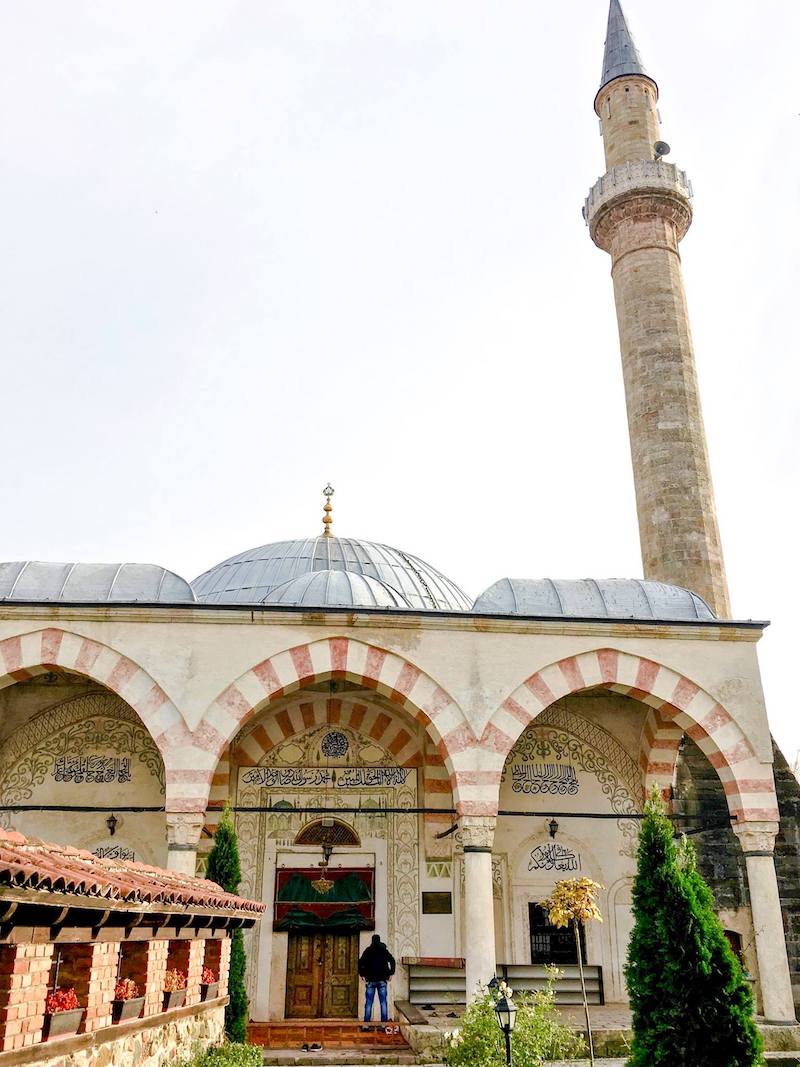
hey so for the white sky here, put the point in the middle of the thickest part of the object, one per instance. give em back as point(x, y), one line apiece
point(250, 247)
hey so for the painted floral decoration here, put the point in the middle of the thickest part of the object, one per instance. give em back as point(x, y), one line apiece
point(126, 989)
point(174, 980)
point(61, 999)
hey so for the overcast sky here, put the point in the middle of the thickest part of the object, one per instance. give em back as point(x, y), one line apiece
point(250, 247)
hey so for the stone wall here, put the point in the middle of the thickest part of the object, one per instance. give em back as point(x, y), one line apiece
point(787, 862)
point(698, 791)
point(144, 1043)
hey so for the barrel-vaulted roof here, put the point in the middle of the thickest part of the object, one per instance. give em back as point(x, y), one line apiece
point(613, 598)
point(92, 583)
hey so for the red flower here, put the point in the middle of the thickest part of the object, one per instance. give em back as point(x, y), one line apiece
point(207, 977)
point(174, 980)
point(61, 999)
point(126, 989)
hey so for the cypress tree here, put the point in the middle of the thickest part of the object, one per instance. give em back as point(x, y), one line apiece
point(225, 869)
point(690, 1001)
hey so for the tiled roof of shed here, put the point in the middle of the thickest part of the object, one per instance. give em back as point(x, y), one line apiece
point(39, 865)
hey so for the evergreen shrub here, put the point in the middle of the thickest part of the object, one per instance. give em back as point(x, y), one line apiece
point(225, 869)
point(690, 1000)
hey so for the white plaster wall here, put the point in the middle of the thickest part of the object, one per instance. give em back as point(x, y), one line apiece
point(195, 654)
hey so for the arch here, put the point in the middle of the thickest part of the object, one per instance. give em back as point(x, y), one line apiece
point(658, 752)
point(339, 834)
point(678, 700)
point(340, 658)
point(187, 770)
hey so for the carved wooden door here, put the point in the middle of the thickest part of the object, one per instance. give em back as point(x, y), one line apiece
point(322, 976)
point(304, 976)
point(340, 989)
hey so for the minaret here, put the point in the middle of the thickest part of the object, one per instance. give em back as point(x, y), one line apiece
point(638, 212)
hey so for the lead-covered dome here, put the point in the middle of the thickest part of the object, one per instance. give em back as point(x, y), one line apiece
point(336, 589)
point(255, 576)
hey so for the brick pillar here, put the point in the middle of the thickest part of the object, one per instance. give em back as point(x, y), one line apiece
point(146, 963)
point(24, 982)
point(224, 965)
point(102, 961)
point(188, 956)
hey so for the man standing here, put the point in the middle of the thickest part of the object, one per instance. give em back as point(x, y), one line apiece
point(376, 967)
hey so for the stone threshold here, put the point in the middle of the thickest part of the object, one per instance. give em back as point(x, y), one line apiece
point(63, 1046)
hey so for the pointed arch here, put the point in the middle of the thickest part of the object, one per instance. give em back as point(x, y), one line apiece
point(400, 681)
point(188, 769)
point(680, 704)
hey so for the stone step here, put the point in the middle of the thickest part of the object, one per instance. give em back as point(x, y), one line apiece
point(337, 1058)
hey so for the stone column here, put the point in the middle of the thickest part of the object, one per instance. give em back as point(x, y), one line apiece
point(183, 835)
point(758, 842)
point(477, 834)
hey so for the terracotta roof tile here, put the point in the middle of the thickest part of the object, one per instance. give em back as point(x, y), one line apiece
point(33, 864)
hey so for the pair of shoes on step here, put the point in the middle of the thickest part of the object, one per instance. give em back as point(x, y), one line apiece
point(313, 1047)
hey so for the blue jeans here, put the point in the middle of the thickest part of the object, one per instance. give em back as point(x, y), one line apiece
point(372, 987)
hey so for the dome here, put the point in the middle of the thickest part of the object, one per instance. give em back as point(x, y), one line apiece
point(251, 577)
point(336, 589)
point(613, 598)
point(92, 583)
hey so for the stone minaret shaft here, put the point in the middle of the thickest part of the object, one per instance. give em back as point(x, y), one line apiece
point(638, 212)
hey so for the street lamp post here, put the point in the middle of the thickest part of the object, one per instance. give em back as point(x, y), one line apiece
point(506, 1011)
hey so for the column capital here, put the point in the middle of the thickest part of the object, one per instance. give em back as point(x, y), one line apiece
point(756, 838)
point(477, 832)
point(183, 829)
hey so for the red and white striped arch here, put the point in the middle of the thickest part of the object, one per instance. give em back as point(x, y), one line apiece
point(394, 733)
point(679, 702)
point(401, 682)
point(187, 770)
point(658, 751)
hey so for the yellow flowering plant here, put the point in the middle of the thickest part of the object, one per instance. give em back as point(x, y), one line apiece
point(574, 902)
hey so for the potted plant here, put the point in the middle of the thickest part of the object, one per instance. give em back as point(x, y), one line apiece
point(127, 1004)
point(174, 989)
point(209, 984)
point(63, 1014)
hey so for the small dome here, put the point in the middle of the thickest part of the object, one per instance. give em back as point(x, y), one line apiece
point(336, 589)
point(613, 598)
point(93, 583)
point(250, 577)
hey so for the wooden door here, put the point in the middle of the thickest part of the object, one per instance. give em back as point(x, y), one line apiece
point(322, 976)
point(304, 974)
point(340, 990)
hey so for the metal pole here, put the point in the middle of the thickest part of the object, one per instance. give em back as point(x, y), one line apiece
point(583, 990)
point(507, 1033)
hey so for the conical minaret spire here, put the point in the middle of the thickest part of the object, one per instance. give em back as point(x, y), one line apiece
point(621, 55)
point(638, 212)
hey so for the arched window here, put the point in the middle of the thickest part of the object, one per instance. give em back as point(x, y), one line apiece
point(327, 832)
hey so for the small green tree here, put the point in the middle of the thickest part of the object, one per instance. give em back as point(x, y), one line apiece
point(225, 869)
point(691, 1003)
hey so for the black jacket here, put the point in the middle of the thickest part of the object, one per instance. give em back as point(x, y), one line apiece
point(376, 963)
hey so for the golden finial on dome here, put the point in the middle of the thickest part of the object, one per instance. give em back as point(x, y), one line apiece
point(327, 518)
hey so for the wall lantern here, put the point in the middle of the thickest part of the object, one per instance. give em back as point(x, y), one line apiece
point(111, 823)
point(553, 827)
point(506, 1012)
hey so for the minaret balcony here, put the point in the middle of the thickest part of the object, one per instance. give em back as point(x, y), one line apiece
point(654, 179)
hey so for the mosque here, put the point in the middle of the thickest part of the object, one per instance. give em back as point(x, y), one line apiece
point(404, 758)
